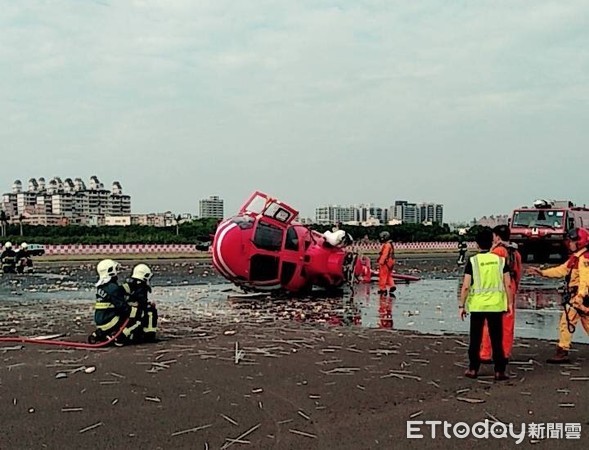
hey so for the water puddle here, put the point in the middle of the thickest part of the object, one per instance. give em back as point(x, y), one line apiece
point(428, 306)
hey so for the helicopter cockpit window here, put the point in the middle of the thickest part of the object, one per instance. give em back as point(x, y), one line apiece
point(276, 212)
point(268, 237)
point(263, 268)
point(292, 240)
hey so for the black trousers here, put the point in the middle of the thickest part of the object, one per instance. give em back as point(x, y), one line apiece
point(495, 324)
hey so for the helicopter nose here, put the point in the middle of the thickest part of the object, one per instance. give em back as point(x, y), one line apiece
point(228, 255)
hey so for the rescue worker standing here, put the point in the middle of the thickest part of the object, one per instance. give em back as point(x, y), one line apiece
point(8, 258)
point(508, 251)
point(486, 293)
point(386, 262)
point(578, 239)
point(137, 288)
point(111, 308)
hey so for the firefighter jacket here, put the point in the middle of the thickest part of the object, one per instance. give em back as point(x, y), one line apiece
point(568, 269)
point(8, 257)
point(581, 300)
point(22, 253)
point(110, 303)
point(137, 292)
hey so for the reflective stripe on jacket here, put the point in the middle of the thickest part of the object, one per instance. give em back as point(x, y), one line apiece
point(487, 293)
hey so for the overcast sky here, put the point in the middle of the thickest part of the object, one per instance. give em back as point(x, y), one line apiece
point(481, 106)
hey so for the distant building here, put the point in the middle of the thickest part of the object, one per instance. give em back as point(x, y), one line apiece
point(327, 215)
point(165, 219)
point(46, 203)
point(406, 212)
point(431, 212)
point(401, 212)
point(493, 221)
point(211, 207)
point(121, 221)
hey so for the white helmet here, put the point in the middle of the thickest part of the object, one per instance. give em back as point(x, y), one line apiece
point(107, 268)
point(142, 272)
point(8, 245)
point(24, 245)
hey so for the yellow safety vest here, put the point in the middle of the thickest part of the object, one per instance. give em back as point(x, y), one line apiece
point(487, 293)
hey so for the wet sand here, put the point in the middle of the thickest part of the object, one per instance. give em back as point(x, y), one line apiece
point(297, 385)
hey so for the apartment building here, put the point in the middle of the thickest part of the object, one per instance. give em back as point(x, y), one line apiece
point(44, 202)
point(211, 207)
point(369, 214)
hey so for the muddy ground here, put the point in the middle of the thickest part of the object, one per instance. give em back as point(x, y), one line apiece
point(257, 380)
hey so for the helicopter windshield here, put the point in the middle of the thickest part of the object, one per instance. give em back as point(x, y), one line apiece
point(268, 237)
point(547, 218)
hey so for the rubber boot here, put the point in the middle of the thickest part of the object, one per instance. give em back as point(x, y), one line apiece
point(561, 357)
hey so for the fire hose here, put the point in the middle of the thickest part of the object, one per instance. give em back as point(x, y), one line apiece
point(72, 344)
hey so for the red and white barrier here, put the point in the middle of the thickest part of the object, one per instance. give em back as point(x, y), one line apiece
point(372, 247)
point(119, 249)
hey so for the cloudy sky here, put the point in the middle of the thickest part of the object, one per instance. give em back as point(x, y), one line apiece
point(481, 106)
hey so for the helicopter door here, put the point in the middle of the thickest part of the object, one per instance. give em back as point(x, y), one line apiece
point(264, 269)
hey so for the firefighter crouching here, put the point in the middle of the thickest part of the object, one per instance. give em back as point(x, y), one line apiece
point(8, 259)
point(137, 288)
point(575, 271)
point(23, 259)
point(111, 308)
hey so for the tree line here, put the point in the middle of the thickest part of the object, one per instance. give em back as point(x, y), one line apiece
point(202, 230)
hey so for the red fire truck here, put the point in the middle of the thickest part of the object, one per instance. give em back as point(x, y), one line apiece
point(540, 230)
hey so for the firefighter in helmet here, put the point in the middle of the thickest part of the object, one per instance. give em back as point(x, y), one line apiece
point(23, 258)
point(386, 262)
point(8, 258)
point(111, 308)
point(574, 296)
point(137, 289)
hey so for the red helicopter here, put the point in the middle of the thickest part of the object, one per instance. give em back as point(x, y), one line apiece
point(262, 248)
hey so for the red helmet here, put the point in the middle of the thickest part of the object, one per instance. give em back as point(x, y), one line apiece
point(580, 236)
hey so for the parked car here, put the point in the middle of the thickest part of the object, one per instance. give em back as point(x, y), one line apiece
point(36, 249)
point(203, 246)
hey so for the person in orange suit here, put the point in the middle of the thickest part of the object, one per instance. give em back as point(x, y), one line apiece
point(386, 262)
point(502, 247)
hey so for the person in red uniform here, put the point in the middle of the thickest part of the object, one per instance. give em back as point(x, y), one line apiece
point(508, 251)
point(386, 262)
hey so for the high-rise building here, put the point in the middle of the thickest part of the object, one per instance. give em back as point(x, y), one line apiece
point(211, 207)
point(327, 215)
point(401, 212)
point(431, 212)
point(44, 203)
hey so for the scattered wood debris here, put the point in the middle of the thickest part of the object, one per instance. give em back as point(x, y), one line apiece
point(91, 427)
